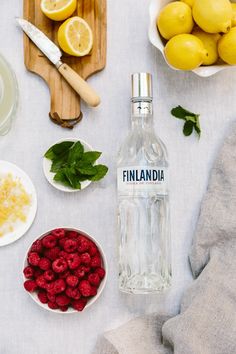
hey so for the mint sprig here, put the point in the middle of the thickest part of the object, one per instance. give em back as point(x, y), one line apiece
point(191, 120)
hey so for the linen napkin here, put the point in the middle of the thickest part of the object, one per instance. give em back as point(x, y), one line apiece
point(207, 320)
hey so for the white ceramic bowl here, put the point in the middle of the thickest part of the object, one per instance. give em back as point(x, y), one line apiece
point(49, 175)
point(102, 284)
point(156, 40)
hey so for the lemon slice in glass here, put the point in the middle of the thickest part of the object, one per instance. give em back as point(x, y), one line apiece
point(58, 10)
point(75, 37)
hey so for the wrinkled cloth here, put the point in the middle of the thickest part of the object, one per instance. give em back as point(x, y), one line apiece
point(207, 320)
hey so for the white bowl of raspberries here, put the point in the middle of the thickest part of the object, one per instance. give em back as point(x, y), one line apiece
point(65, 270)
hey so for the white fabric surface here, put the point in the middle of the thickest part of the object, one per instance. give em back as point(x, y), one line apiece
point(24, 327)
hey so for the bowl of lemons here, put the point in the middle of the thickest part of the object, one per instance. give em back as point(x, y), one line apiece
point(195, 35)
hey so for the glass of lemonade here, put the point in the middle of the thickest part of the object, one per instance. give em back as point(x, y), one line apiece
point(8, 96)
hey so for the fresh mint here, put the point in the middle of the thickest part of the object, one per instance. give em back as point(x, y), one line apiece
point(191, 120)
point(72, 165)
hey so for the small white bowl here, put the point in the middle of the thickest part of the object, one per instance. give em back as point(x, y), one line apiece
point(102, 284)
point(156, 40)
point(50, 175)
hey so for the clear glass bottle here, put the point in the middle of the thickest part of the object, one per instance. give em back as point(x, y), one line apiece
point(143, 205)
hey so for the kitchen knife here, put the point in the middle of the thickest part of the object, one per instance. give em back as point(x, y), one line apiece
point(54, 54)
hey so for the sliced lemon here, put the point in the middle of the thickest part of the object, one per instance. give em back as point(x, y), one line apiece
point(75, 37)
point(58, 10)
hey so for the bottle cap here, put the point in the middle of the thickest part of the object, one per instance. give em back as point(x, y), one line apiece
point(141, 85)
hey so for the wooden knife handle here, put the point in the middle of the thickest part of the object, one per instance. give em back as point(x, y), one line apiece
point(83, 89)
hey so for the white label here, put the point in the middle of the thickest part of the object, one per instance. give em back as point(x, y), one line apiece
point(138, 178)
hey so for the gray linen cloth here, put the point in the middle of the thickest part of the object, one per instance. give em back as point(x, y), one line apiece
point(207, 320)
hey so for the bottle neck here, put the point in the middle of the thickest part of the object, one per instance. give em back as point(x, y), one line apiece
point(141, 114)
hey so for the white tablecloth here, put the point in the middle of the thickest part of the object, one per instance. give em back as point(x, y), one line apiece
point(25, 328)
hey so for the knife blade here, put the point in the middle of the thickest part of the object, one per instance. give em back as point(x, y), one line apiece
point(53, 53)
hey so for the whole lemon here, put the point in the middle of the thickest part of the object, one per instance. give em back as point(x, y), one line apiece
point(188, 2)
point(213, 16)
point(209, 41)
point(227, 47)
point(234, 14)
point(175, 18)
point(185, 52)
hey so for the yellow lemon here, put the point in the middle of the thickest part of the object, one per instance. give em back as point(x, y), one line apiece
point(213, 16)
point(175, 18)
point(185, 52)
point(58, 10)
point(188, 2)
point(209, 41)
point(227, 47)
point(75, 37)
point(234, 14)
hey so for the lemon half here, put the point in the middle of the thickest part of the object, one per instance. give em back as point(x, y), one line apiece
point(75, 37)
point(58, 10)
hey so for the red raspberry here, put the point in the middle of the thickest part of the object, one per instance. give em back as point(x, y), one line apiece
point(51, 297)
point(59, 286)
point(64, 275)
point(70, 245)
point(94, 279)
point(93, 291)
point(37, 246)
point(96, 262)
point(33, 258)
point(30, 285)
point(62, 300)
point(62, 241)
point(93, 250)
point(83, 244)
point(72, 280)
point(59, 265)
point(49, 275)
point(63, 308)
point(85, 288)
point(101, 272)
point(85, 258)
point(49, 241)
point(52, 253)
point(42, 295)
point(80, 272)
point(73, 293)
point(28, 272)
point(52, 305)
point(37, 272)
point(58, 233)
point(73, 260)
point(50, 289)
point(41, 282)
point(44, 264)
point(72, 234)
point(63, 254)
point(79, 305)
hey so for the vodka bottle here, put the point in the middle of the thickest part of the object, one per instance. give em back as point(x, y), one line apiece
point(143, 210)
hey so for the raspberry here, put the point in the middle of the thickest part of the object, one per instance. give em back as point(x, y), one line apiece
point(85, 288)
point(37, 246)
point(50, 289)
point(30, 285)
point(70, 245)
point(58, 233)
point(41, 282)
point(83, 244)
point(62, 241)
point(64, 275)
point(44, 264)
point(80, 272)
point(73, 260)
point(94, 279)
point(79, 305)
point(72, 234)
point(49, 275)
point(33, 258)
point(52, 253)
point(59, 265)
point(63, 254)
point(63, 308)
point(72, 281)
point(37, 272)
point(51, 297)
point(95, 262)
point(93, 291)
point(85, 258)
point(59, 286)
point(42, 295)
point(73, 293)
point(62, 300)
point(52, 305)
point(28, 272)
point(101, 272)
point(93, 250)
point(49, 241)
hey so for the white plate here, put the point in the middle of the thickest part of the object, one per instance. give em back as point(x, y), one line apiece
point(50, 175)
point(100, 289)
point(21, 228)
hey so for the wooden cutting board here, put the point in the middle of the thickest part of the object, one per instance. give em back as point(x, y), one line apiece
point(65, 103)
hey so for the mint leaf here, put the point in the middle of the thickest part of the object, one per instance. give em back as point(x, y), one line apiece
point(191, 120)
point(75, 153)
point(61, 178)
point(59, 162)
point(87, 170)
point(101, 171)
point(188, 128)
point(181, 113)
point(91, 156)
point(58, 149)
point(72, 178)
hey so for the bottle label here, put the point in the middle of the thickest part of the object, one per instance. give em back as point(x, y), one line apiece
point(138, 178)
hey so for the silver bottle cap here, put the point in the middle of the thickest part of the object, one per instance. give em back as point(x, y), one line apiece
point(141, 86)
